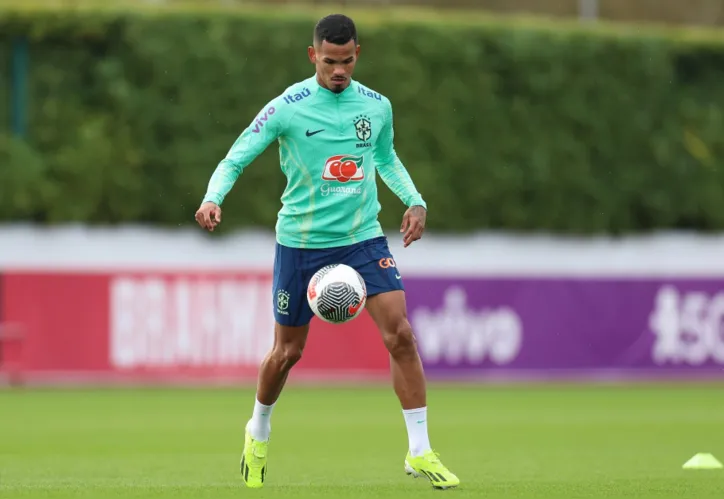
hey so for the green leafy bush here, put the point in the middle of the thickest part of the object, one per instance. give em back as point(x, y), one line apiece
point(548, 127)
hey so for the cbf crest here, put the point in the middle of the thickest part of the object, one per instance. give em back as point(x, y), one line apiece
point(282, 302)
point(363, 128)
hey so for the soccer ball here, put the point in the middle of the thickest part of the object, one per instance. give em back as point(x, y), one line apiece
point(337, 293)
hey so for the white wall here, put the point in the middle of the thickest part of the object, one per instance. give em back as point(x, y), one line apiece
point(83, 248)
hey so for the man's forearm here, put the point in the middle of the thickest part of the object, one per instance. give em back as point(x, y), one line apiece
point(397, 178)
point(221, 182)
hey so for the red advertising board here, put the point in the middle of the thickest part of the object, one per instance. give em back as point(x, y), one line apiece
point(170, 326)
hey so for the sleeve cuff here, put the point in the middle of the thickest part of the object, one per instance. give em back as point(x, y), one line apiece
point(417, 201)
point(213, 198)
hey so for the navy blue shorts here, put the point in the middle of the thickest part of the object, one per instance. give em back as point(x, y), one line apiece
point(294, 268)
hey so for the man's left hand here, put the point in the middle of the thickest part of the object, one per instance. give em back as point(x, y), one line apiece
point(413, 224)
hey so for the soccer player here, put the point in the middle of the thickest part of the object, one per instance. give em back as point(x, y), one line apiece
point(334, 135)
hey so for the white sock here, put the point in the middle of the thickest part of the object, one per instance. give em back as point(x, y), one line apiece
point(416, 421)
point(260, 424)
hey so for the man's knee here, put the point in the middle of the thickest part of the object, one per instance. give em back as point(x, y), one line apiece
point(288, 354)
point(399, 339)
point(289, 345)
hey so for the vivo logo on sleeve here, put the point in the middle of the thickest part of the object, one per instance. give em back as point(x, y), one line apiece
point(262, 119)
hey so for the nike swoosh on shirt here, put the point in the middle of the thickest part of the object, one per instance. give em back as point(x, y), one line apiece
point(309, 134)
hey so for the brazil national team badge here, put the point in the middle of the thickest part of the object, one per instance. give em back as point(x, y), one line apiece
point(363, 127)
point(282, 302)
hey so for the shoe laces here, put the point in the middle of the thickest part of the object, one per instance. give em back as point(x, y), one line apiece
point(433, 457)
point(257, 450)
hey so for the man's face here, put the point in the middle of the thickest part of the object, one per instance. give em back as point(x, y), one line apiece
point(335, 63)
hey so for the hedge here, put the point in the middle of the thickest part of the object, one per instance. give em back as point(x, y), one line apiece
point(551, 127)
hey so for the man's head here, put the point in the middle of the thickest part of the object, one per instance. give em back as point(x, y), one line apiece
point(335, 51)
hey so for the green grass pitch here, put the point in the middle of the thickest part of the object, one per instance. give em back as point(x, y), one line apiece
point(548, 442)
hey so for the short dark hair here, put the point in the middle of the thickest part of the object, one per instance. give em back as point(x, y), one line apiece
point(335, 28)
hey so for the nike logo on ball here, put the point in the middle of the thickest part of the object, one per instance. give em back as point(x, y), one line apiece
point(309, 134)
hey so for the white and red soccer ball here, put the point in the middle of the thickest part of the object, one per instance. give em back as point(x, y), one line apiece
point(337, 293)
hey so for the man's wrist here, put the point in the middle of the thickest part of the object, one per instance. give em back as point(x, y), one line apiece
point(419, 203)
point(211, 198)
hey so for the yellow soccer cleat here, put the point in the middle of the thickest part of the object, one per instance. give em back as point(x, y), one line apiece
point(253, 461)
point(429, 466)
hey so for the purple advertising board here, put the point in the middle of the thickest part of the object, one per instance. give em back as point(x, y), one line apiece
point(568, 326)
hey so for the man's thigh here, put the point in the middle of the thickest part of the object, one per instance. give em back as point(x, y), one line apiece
point(289, 288)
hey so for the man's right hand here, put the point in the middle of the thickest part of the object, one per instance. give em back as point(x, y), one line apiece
point(208, 216)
